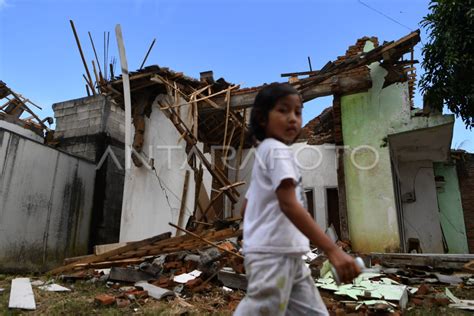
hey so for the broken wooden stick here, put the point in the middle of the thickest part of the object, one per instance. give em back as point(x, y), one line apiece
point(206, 241)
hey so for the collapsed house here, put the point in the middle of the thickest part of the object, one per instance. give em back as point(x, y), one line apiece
point(394, 173)
point(373, 165)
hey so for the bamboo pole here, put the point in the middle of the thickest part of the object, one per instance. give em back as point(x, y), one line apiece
point(82, 56)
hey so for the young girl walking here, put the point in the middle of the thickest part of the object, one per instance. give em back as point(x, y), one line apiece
point(277, 226)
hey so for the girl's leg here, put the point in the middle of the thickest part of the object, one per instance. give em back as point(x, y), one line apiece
point(269, 285)
point(305, 298)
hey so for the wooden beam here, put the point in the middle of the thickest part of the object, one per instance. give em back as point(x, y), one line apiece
point(347, 85)
point(301, 73)
point(183, 202)
point(447, 261)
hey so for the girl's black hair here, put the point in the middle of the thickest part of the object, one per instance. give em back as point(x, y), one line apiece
point(265, 101)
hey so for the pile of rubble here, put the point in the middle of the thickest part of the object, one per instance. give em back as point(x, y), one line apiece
point(179, 269)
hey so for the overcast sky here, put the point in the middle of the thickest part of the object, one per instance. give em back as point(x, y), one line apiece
point(246, 42)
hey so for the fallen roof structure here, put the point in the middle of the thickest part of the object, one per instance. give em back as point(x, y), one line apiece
point(16, 106)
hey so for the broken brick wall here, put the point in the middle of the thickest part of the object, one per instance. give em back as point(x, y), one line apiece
point(94, 127)
point(465, 168)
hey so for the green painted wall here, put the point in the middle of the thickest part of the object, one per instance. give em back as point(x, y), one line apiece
point(367, 120)
point(450, 207)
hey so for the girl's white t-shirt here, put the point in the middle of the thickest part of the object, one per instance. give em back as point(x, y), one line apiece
point(266, 227)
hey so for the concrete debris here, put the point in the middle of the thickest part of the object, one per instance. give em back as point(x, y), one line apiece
point(449, 279)
point(232, 279)
point(54, 288)
point(128, 275)
point(21, 294)
point(154, 291)
point(185, 277)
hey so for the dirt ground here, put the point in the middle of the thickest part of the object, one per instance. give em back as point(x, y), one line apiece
point(215, 301)
point(80, 301)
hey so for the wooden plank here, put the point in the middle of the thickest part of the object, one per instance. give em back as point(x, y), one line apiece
point(100, 249)
point(203, 202)
point(183, 202)
point(226, 148)
point(109, 254)
point(447, 261)
point(74, 259)
point(226, 120)
point(301, 73)
point(197, 188)
point(109, 264)
point(21, 294)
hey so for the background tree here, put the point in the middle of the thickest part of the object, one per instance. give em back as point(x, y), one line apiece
point(448, 57)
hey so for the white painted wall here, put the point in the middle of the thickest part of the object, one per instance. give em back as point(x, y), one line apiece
point(45, 204)
point(421, 218)
point(318, 169)
point(152, 200)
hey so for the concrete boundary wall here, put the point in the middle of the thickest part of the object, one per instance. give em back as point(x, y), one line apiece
point(45, 204)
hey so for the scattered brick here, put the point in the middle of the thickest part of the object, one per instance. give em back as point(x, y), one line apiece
point(194, 283)
point(138, 293)
point(424, 289)
point(104, 299)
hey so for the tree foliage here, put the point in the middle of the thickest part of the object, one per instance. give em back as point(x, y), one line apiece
point(448, 57)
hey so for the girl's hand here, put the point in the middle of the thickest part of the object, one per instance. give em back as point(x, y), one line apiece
point(344, 264)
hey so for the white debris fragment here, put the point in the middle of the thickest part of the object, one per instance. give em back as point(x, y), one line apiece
point(185, 277)
point(21, 294)
point(104, 271)
point(310, 255)
point(54, 288)
point(458, 303)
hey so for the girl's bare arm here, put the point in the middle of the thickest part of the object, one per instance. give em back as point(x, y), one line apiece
point(344, 264)
point(242, 209)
